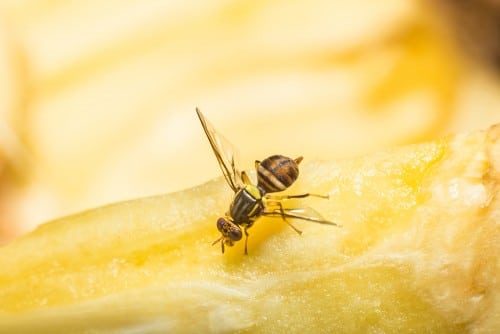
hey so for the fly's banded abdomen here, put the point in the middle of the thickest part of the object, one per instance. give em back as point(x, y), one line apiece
point(246, 205)
point(277, 173)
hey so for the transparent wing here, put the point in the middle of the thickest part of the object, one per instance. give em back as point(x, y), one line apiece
point(307, 213)
point(225, 153)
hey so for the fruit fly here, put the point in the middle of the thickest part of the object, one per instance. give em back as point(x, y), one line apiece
point(250, 202)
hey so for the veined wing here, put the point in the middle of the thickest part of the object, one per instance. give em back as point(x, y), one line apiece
point(225, 153)
point(307, 213)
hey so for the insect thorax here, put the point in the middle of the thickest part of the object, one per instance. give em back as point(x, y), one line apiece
point(246, 205)
point(276, 173)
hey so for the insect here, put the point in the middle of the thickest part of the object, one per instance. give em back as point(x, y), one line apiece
point(250, 202)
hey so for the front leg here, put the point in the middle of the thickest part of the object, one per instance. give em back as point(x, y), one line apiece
point(246, 238)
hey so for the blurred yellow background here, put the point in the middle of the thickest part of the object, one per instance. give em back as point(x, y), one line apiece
point(97, 98)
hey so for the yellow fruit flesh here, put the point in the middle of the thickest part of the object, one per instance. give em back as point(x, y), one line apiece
point(417, 252)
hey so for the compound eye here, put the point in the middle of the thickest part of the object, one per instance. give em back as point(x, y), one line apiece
point(235, 234)
point(222, 224)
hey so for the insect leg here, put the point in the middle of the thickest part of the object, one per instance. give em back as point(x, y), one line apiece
point(221, 242)
point(284, 215)
point(246, 239)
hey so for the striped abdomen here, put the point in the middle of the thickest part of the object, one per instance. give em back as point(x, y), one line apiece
point(277, 173)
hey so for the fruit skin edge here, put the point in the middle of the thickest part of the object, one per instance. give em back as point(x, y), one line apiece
point(124, 265)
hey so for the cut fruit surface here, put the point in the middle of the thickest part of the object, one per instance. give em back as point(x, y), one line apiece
point(417, 251)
